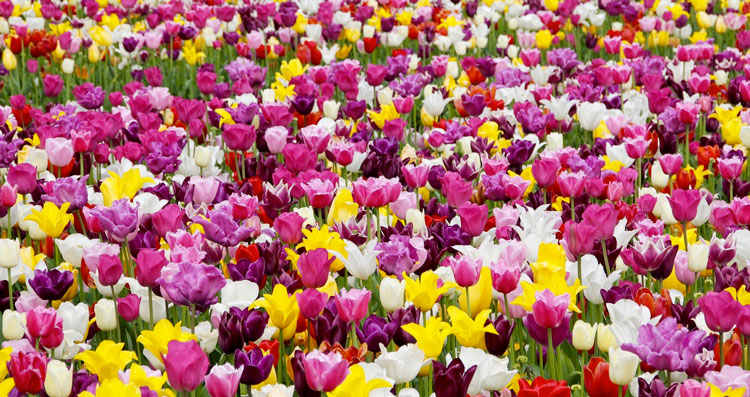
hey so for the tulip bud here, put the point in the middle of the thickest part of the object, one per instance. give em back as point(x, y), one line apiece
point(658, 178)
point(9, 60)
point(67, 66)
point(59, 380)
point(721, 25)
point(452, 69)
point(392, 294)
point(605, 339)
point(14, 324)
point(331, 109)
point(11, 253)
point(554, 141)
point(583, 335)
point(698, 257)
point(106, 316)
point(202, 156)
point(416, 218)
point(4, 26)
point(94, 54)
point(385, 96)
point(622, 366)
point(38, 158)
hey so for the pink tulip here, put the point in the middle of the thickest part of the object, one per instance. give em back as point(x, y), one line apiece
point(466, 270)
point(186, 365)
point(456, 189)
point(314, 267)
point(684, 204)
point(375, 192)
point(549, 310)
point(352, 304)
point(59, 151)
point(223, 380)
point(473, 218)
point(324, 371)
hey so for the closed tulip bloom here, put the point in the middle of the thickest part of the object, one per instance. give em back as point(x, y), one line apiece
point(452, 380)
point(401, 365)
point(571, 183)
point(324, 371)
point(605, 338)
point(149, 263)
point(106, 316)
point(583, 335)
point(239, 137)
point(549, 310)
point(28, 371)
point(684, 204)
point(622, 366)
point(59, 151)
point(698, 257)
point(275, 138)
point(167, 219)
point(473, 218)
point(465, 269)
point(545, 170)
point(11, 256)
point(109, 270)
point(128, 307)
point(597, 382)
point(578, 239)
point(375, 192)
point(721, 310)
point(14, 325)
point(186, 365)
point(352, 304)
point(59, 379)
point(693, 388)
point(288, 225)
point(314, 267)
point(22, 177)
point(311, 302)
point(44, 324)
point(392, 294)
point(256, 366)
point(223, 380)
point(670, 163)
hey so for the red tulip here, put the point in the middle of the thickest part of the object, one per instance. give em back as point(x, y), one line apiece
point(596, 379)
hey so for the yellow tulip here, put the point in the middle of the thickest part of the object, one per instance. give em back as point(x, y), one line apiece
point(387, 113)
point(730, 131)
point(356, 384)
point(479, 293)
point(343, 207)
point(282, 92)
point(543, 39)
point(552, 5)
point(191, 53)
point(9, 59)
point(51, 219)
point(111, 21)
point(156, 341)
point(299, 24)
point(430, 337)
point(424, 292)
point(4, 358)
point(117, 187)
point(470, 332)
point(291, 69)
point(107, 360)
point(729, 392)
point(114, 388)
point(282, 310)
point(140, 378)
point(93, 53)
point(740, 295)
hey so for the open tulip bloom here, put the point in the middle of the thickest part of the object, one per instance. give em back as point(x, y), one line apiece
point(355, 198)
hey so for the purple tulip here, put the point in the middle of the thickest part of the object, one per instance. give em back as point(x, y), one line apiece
point(52, 284)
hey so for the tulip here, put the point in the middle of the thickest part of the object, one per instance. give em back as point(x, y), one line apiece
point(583, 335)
point(549, 310)
point(28, 371)
point(59, 151)
point(311, 302)
point(324, 371)
point(14, 325)
point(223, 380)
point(604, 337)
point(465, 270)
point(401, 365)
point(452, 380)
point(473, 218)
point(149, 263)
point(109, 270)
point(106, 315)
point(51, 285)
point(256, 366)
point(392, 294)
point(288, 225)
point(351, 305)
point(314, 267)
point(128, 307)
point(597, 380)
point(238, 137)
point(59, 379)
point(622, 366)
point(23, 177)
point(186, 365)
point(684, 204)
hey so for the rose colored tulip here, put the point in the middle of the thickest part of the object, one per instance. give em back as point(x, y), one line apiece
point(128, 307)
point(167, 219)
point(275, 138)
point(8, 196)
point(223, 380)
point(238, 137)
point(730, 168)
point(352, 304)
point(314, 267)
point(473, 218)
point(45, 325)
point(52, 85)
point(415, 176)
point(186, 365)
point(549, 310)
point(545, 170)
point(578, 239)
point(684, 204)
point(149, 264)
point(456, 190)
point(466, 270)
point(22, 177)
point(109, 270)
point(505, 276)
point(602, 218)
point(289, 227)
point(319, 192)
point(571, 183)
point(311, 302)
point(375, 192)
point(324, 371)
point(671, 163)
point(720, 310)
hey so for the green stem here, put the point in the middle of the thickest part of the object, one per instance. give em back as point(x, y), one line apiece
point(551, 355)
point(117, 318)
point(468, 303)
point(10, 288)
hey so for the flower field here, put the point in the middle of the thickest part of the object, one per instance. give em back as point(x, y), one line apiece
point(344, 198)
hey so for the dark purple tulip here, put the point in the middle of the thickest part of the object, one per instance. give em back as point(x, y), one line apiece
point(239, 327)
point(52, 284)
point(330, 327)
point(374, 331)
point(300, 380)
point(656, 388)
point(452, 380)
point(498, 344)
point(83, 381)
point(4, 299)
point(246, 269)
point(303, 104)
point(401, 317)
point(685, 315)
point(620, 292)
point(255, 366)
point(473, 104)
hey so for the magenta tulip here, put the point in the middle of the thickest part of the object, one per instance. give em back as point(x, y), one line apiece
point(324, 371)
